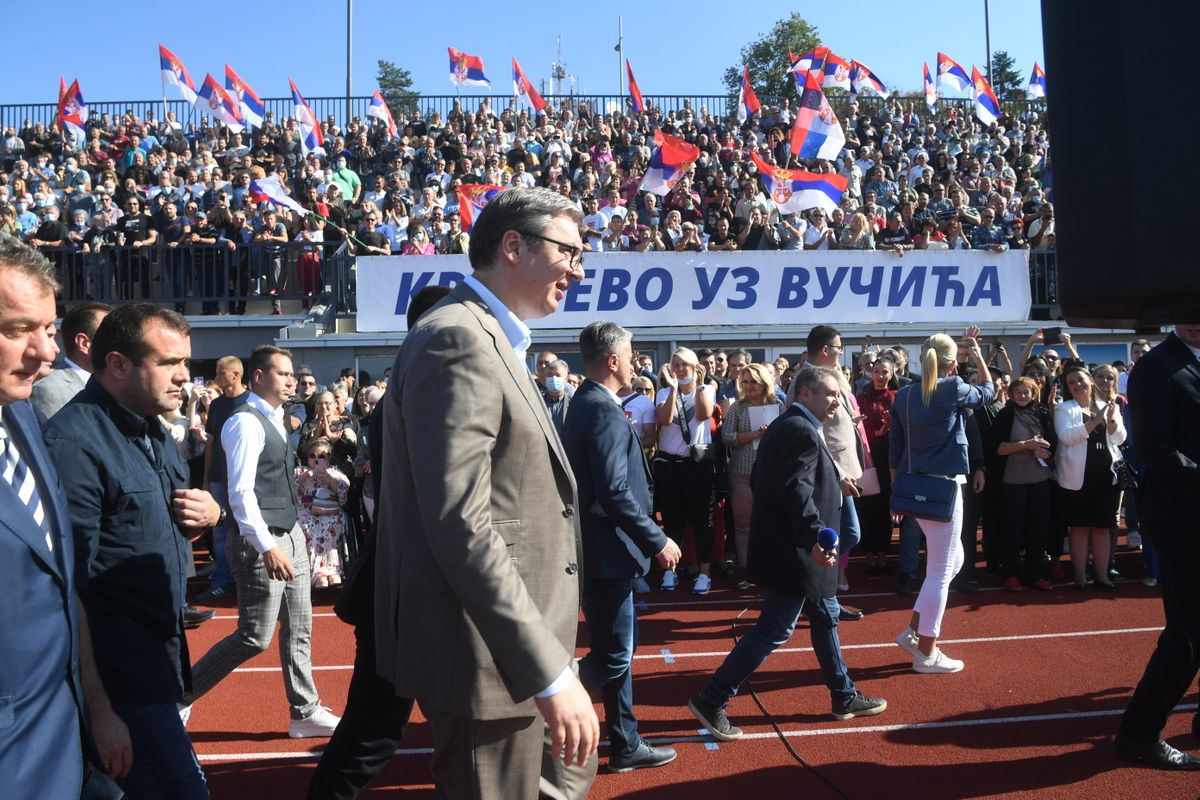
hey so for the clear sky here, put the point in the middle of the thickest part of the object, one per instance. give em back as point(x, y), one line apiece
point(673, 51)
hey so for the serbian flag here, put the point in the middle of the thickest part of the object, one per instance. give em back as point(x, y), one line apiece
point(311, 138)
point(861, 78)
point(635, 94)
point(467, 70)
point(249, 103)
point(796, 190)
point(987, 107)
point(816, 132)
point(523, 88)
point(212, 99)
point(1037, 81)
point(379, 110)
point(269, 190)
point(174, 73)
point(931, 97)
point(472, 197)
point(72, 111)
point(951, 72)
point(747, 99)
point(835, 71)
point(671, 159)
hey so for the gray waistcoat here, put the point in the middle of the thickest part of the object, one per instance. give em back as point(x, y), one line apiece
point(275, 478)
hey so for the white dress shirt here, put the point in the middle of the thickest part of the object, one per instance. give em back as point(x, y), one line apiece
point(243, 439)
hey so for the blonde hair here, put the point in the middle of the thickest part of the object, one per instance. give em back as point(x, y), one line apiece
point(687, 355)
point(231, 363)
point(762, 377)
point(1111, 371)
point(938, 353)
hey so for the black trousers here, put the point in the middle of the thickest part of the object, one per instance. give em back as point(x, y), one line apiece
point(972, 513)
point(1173, 666)
point(371, 729)
point(1028, 506)
point(683, 492)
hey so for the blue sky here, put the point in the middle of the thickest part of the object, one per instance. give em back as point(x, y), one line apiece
point(114, 55)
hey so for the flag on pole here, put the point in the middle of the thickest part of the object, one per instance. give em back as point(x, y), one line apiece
point(816, 133)
point(379, 110)
point(1037, 81)
point(635, 93)
point(212, 99)
point(523, 88)
point(311, 138)
point(796, 190)
point(931, 97)
point(987, 107)
point(861, 78)
point(951, 72)
point(72, 112)
point(747, 99)
point(472, 197)
point(270, 190)
point(835, 71)
point(467, 70)
point(249, 103)
point(174, 73)
point(671, 158)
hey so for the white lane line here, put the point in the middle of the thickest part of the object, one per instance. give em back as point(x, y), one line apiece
point(675, 656)
point(839, 731)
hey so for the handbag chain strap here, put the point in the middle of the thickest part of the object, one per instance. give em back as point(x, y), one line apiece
point(681, 409)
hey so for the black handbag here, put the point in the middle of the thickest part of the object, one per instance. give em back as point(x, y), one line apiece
point(1127, 477)
point(700, 453)
point(929, 497)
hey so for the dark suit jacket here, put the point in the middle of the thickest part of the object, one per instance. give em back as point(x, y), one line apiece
point(41, 701)
point(477, 585)
point(796, 494)
point(1164, 408)
point(615, 493)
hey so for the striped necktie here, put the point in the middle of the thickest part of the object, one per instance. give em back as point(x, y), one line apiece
point(18, 475)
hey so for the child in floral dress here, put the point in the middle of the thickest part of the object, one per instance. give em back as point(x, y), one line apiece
point(322, 491)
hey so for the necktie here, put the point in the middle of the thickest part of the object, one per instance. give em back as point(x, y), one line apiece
point(17, 474)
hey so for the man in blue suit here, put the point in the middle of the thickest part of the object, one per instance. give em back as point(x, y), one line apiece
point(797, 492)
point(41, 698)
point(619, 537)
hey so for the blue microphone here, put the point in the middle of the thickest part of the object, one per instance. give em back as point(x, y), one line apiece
point(828, 539)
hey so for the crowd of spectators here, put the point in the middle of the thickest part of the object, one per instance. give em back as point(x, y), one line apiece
point(916, 180)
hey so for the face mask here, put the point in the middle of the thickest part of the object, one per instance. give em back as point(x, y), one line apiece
point(654, 220)
point(556, 383)
point(686, 380)
point(71, 168)
point(22, 206)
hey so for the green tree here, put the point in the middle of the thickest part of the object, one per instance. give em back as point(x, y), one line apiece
point(1007, 82)
point(395, 86)
point(767, 59)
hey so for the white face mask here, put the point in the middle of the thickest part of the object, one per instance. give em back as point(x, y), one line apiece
point(556, 383)
point(686, 380)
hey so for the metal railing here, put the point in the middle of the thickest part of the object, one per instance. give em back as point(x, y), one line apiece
point(280, 108)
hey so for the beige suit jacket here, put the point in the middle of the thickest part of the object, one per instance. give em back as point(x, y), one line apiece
point(477, 599)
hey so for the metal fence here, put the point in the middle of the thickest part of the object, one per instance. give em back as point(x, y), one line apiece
point(280, 108)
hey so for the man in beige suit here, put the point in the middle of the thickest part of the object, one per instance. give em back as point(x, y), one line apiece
point(477, 598)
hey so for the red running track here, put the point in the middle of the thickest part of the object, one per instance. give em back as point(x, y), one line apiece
point(1032, 715)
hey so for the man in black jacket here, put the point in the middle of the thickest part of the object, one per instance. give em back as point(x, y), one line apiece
point(1164, 406)
point(796, 494)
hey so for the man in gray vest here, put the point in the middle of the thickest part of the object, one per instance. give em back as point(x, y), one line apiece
point(270, 558)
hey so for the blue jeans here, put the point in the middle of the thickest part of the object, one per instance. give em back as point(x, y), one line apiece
point(775, 624)
point(910, 546)
point(164, 763)
point(612, 626)
point(222, 575)
point(850, 533)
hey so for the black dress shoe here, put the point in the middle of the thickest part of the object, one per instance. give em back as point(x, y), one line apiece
point(904, 583)
point(1113, 575)
point(1156, 754)
point(640, 757)
point(193, 617)
point(850, 614)
point(965, 586)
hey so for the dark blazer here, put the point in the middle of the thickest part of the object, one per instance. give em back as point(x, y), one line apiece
point(616, 497)
point(796, 494)
point(1164, 408)
point(41, 701)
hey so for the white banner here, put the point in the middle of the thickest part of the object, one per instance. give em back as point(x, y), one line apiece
point(754, 288)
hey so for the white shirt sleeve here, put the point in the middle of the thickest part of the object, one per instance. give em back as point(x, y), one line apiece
point(560, 683)
point(243, 439)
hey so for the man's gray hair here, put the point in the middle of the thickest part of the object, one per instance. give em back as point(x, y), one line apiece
point(600, 340)
point(374, 395)
point(527, 210)
point(559, 364)
point(20, 257)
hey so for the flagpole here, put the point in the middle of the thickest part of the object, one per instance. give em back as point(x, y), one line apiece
point(620, 58)
point(349, 51)
point(987, 39)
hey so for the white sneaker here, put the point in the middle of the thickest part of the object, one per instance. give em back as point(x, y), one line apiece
point(670, 581)
point(908, 641)
point(1134, 540)
point(935, 664)
point(703, 584)
point(640, 586)
point(185, 713)
point(320, 723)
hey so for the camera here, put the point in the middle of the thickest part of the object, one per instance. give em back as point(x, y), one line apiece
point(338, 424)
point(1052, 336)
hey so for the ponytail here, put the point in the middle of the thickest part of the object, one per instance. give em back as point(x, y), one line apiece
point(929, 374)
point(938, 352)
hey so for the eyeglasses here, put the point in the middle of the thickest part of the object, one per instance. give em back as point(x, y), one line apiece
point(314, 457)
point(1050, 358)
point(569, 250)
